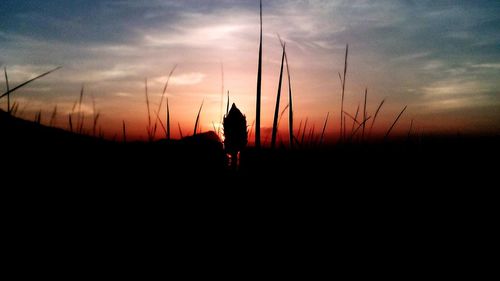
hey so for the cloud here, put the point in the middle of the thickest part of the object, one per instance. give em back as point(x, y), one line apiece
point(84, 108)
point(411, 57)
point(97, 74)
point(487, 65)
point(456, 103)
point(455, 87)
point(199, 36)
point(109, 74)
point(184, 79)
point(20, 73)
point(433, 65)
point(454, 94)
point(462, 35)
point(123, 94)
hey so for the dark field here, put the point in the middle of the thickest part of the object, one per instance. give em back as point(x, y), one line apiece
point(55, 180)
point(54, 154)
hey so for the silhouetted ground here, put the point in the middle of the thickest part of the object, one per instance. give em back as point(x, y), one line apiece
point(58, 186)
point(54, 155)
point(398, 161)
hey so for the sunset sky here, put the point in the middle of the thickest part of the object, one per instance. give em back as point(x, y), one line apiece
point(441, 58)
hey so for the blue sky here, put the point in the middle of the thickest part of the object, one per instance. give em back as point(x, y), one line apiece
point(441, 58)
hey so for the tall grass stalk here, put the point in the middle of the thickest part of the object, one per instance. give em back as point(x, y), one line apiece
point(364, 116)
point(198, 118)
point(376, 114)
point(180, 130)
point(259, 87)
point(7, 85)
point(227, 106)
point(168, 121)
point(53, 116)
point(300, 127)
point(14, 108)
point(344, 127)
point(38, 117)
point(303, 132)
point(278, 97)
point(163, 97)
point(311, 135)
point(80, 106)
point(221, 97)
point(290, 99)
point(80, 128)
point(279, 122)
point(251, 129)
point(342, 124)
point(95, 115)
point(149, 112)
point(359, 126)
point(355, 120)
point(27, 82)
point(410, 129)
point(324, 129)
point(70, 123)
point(124, 132)
point(162, 126)
point(96, 120)
point(281, 116)
point(290, 103)
point(395, 121)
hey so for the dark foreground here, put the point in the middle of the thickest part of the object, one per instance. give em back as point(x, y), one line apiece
point(56, 154)
point(57, 185)
point(59, 157)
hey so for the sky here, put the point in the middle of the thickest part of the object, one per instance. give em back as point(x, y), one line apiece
point(439, 58)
